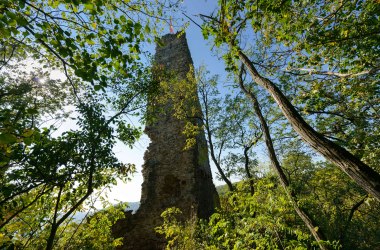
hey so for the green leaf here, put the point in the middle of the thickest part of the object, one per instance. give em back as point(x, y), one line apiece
point(28, 132)
point(7, 139)
point(89, 6)
point(97, 87)
point(22, 21)
point(21, 4)
point(28, 141)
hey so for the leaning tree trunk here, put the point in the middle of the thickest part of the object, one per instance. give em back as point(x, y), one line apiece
point(311, 225)
point(357, 170)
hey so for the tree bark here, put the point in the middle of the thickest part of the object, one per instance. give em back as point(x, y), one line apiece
point(311, 225)
point(362, 174)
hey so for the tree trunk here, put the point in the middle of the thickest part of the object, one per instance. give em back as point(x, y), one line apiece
point(216, 162)
point(210, 143)
point(354, 208)
point(361, 173)
point(248, 173)
point(50, 241)
point(317, 233)
point(54, 225)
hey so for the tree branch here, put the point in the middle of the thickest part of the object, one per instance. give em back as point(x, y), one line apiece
point(336, 74)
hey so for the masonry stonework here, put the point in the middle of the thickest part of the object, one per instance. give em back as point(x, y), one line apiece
point(173, 177)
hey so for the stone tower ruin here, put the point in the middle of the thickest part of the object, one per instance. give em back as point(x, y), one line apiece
point(173, 177)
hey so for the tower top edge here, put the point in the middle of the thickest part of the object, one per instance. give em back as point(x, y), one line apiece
point(168, 38)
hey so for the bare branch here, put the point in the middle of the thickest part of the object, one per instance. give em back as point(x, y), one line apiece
point(331, 73)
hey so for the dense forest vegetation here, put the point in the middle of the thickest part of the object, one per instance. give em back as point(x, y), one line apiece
point(303, 87)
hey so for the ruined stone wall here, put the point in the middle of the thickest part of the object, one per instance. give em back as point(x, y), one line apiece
point(173, 177)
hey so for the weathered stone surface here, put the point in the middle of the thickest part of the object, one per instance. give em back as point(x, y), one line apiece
point(172, 177)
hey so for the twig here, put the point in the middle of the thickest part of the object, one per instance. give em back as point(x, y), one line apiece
point(192, 20)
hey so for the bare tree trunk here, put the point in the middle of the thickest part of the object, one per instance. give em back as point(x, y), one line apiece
point(311, 225)
point(248, 173)
point(357, 170)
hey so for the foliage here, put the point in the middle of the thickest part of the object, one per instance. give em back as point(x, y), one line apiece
point(266, 220)
point(244, 221)
point(94, 231)
point(230, 129)
point(26, 101)
point(339, 206)
point(56, 175)
point(98, 43)
point(324, 56)
point(230, 125)
point(96, 39)
point(177, 96)
point(46, 178)
point(306, 52)
point(177, 235)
